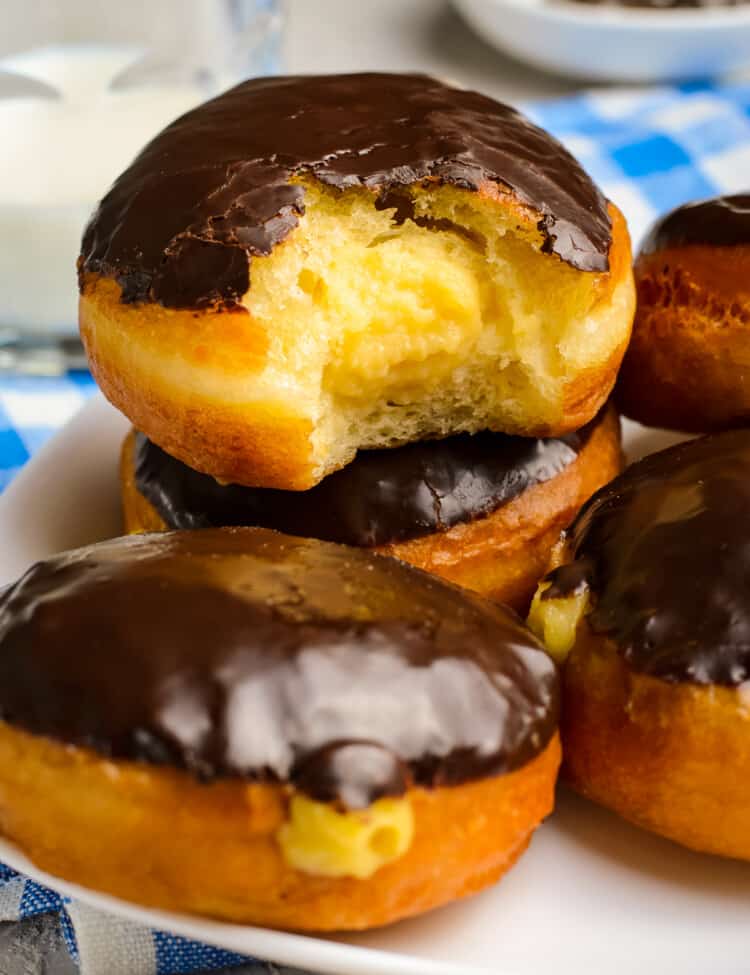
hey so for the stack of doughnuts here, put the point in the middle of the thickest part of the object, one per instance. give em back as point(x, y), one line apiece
point(349, 318)
point(369, 309)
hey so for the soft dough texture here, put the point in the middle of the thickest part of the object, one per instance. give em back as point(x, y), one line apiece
point(400, 305)
point(502, 555)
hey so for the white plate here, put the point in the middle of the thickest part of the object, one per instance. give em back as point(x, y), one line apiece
point(592, 895)
point(615, 43)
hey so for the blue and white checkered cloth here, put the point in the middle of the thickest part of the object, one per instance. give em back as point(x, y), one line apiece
point(100, 942)
point(32, 409)
point(650, 151)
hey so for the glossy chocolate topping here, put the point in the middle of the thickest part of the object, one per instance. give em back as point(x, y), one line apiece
point(381, 496)
point(242, 652)
point(665, 549)
point(215, 187)
point(721, 222)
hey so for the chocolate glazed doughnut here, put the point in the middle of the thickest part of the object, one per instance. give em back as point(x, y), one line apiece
point(481, 511)
point(305, 267)
point(268, 729)
point(687, 365)
point(651, 595)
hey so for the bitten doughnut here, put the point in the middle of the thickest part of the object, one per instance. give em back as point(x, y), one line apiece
point(481, 511)
point(308, 266)
point(688, 364)
point(268, 729)
point(652, 597)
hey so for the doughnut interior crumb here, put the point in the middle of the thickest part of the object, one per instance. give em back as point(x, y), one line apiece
point(386, 332)
point(320, 840)
point(431, 313)
point(555, 621)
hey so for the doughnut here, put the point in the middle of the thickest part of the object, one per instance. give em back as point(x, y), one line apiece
point(648, 608)
point(271, 730)
point(482, 511)
point(687, 365)
point(309, 266)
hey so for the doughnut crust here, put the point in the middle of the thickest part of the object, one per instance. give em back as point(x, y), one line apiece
point(687, 365)
point(671, 758)
point(217, 721)
point(211, 848)
point(502, 555)
point(396, 293)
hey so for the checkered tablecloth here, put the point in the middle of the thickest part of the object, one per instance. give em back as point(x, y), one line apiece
point(649, 151)
point(652, 150)
point(103, 944)
point(32, 409)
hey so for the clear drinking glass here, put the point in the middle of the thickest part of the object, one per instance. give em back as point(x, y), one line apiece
point(83, 85)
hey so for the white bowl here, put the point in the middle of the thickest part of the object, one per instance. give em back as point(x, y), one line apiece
point(615, 43)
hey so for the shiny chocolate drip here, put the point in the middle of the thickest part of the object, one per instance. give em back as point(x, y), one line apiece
point(243, 652)
point(665, 550)
point(381, 496)
point(216, 186)
point(723, 221)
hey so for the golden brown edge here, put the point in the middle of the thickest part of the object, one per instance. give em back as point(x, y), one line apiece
point(687, 364)
point(673, 758)
point(158, 837)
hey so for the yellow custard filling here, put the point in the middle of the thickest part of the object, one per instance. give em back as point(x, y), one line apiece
point(555, 621)
point(318, 839)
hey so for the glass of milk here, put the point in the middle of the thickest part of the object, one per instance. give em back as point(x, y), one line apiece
point(84, 84)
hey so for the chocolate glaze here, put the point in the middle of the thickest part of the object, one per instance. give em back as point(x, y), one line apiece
point(665, 550)
point(214, 187)
point(381, 496)
point(723, 221)
point(243, 652)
